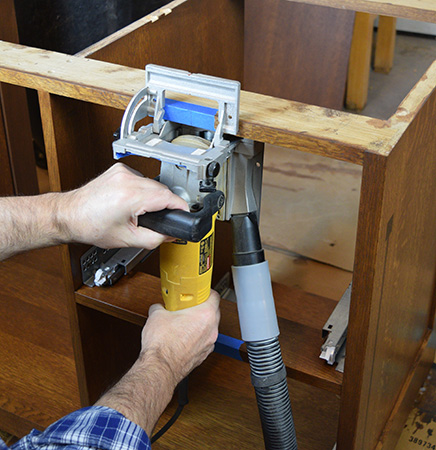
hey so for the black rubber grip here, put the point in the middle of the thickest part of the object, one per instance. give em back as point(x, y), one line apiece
point(189, 226)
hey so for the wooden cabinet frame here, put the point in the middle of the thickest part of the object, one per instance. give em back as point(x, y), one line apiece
point(393, 298)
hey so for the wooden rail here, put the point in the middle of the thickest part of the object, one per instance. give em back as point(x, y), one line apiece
point(275, 121)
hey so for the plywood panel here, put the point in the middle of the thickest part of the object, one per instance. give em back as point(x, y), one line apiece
point(298, 52)
point(195, 35)
point(310, 206)
point(298, 272)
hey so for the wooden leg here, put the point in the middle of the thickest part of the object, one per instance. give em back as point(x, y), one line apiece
point(360, 60)
point(385, 46)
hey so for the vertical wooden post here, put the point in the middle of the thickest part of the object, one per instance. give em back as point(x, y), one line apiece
point(360, 62)
point(16, 121)
point(385, 46)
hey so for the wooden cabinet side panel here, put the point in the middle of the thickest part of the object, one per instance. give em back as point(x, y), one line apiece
point(199, 36)
point(297, 52)
point(394, 280)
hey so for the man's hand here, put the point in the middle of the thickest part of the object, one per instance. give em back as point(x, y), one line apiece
point(182, 339)
point(173, 343)
point(105, 211)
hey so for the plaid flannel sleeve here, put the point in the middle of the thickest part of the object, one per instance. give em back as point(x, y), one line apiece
point(96, 427)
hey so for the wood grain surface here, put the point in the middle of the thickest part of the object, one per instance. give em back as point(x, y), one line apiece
point(421, 10)
point(301, 318)
point(19, 165)
point(394, 279)
point(196, 35)
point(281, 122)
point(308, 275)
point(37, 376)
point(222, 412)
point(310, 206)
point(296, 51)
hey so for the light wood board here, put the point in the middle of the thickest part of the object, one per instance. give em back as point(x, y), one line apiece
point(310, 206)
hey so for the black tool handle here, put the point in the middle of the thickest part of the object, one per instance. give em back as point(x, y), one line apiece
point(189, 226)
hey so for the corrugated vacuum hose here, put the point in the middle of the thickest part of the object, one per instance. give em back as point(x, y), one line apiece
point(259, 329)
point(268, 375)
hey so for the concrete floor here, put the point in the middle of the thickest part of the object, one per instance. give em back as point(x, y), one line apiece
point(413, 55)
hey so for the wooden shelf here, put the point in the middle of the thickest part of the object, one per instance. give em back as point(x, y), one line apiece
point(301, 317)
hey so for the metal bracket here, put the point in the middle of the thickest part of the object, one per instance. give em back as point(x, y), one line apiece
point(335, 329)
point(160, 79)
point(150, 101)
point(154, 140)
point(101, 267)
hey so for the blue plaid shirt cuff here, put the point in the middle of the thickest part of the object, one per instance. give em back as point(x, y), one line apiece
point(93, 427)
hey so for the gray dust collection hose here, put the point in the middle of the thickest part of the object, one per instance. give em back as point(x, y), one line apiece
point(259, 329)
point(268, 375)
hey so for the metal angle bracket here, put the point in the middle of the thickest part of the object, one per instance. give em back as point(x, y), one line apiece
point(335, 332)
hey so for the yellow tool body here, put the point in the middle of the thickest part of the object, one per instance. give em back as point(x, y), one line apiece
point(192, 142)
point(186, 271)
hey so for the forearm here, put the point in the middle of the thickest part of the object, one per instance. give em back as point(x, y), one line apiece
point(31, 222)
point(144, 392)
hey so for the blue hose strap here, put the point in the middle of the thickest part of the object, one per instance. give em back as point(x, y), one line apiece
point(228, 346)
point(190, 114)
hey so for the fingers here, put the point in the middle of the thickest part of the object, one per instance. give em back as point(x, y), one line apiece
point(146, 238)
point(157, 196)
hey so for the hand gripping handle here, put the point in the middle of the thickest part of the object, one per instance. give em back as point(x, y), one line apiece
point(189, 226)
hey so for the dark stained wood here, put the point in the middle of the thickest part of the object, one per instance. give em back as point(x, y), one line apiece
point(17, 426)
point(394, 279)
point(19, 139)
point(6, 184)
point(222, 412)
point(407, 398)
point(110, 348)
point(38, 377)
point(300, 339)
point(16, 122)
point(296, 51)
point(199, 36)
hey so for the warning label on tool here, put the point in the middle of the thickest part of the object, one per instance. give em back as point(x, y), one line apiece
point(206, 254)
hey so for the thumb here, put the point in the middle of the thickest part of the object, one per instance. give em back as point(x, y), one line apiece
point(155, 307)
